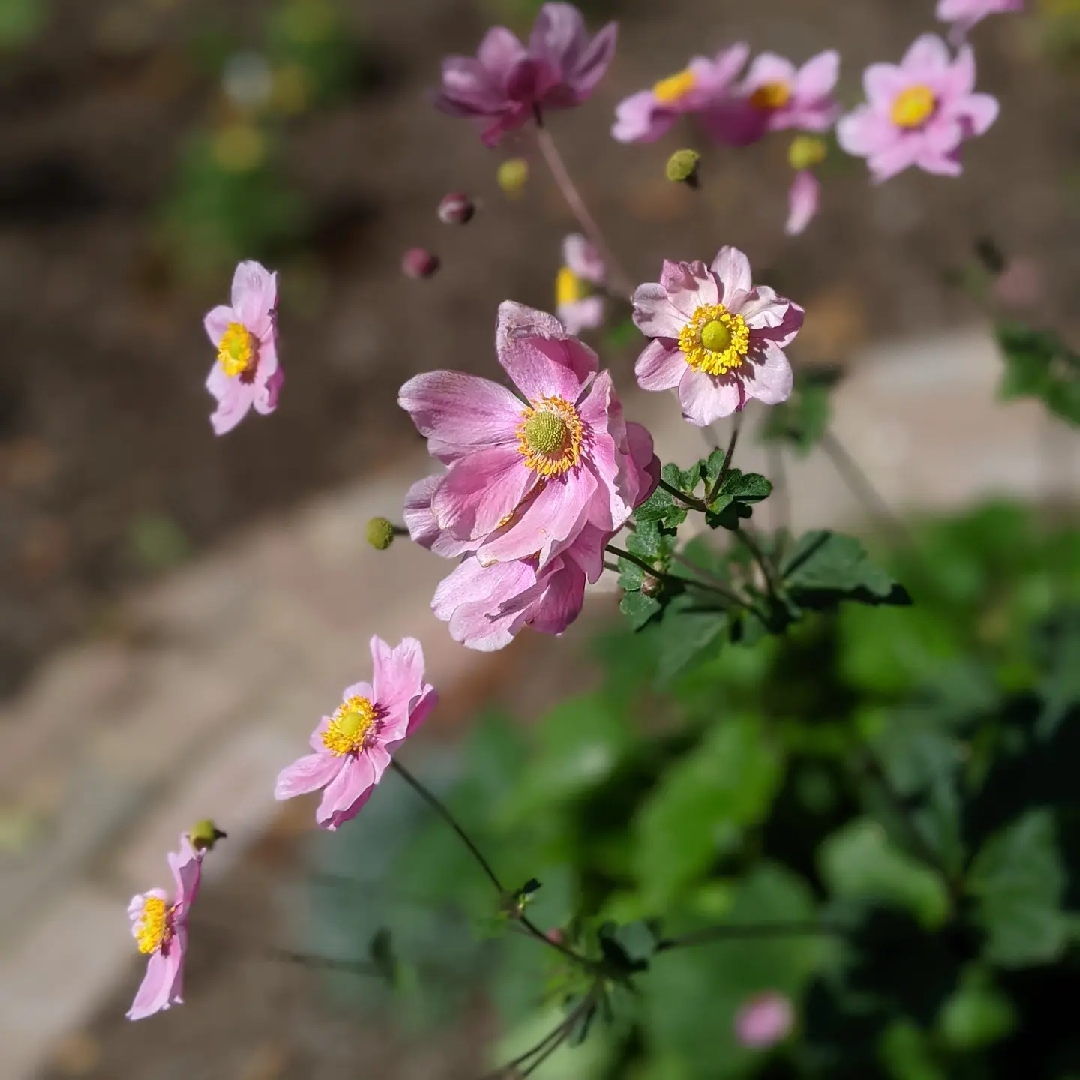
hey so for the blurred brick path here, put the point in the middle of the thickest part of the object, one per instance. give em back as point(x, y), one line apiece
point(215, 676)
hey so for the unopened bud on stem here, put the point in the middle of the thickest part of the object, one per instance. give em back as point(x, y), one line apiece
point(380, 533)
point(205, 834)
point(419, 263)
point(456, 208)
point(805, 152)
point(512, 175)
point(682, 167)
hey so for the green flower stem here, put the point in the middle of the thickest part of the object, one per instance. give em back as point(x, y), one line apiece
point(768, 571)
point(687, 500)
point(721, 590)
point(735, 932)
point(725, 468)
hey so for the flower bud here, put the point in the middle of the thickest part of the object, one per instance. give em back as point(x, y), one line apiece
point(764, 1020)
point(512, 175)
point(419, 263)
point(380, 533)
point(805, 152)
point(456, 208)
point(205, 834)
point(682, 167)
point(650, 586)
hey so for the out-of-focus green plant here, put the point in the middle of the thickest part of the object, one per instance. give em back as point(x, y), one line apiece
point(873, 815)
point(21, 21)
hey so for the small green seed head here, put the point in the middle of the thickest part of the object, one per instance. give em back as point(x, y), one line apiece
point(682, 167)
point(380, 533)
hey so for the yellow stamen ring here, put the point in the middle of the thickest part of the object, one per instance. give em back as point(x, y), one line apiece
point(550, 435)
point(913, 106)
point(714, 340)
point(771, 96)
point(238, 350)
point(153, 925)
point(674, 87)
point(351, 726)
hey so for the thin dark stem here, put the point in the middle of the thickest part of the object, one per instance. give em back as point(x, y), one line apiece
point(688, 500)
point(760, 558)
point(729, 932)
point(399, 530)
point(445, 814)
point(725, 468)
point(621, 283)
point(355, 967)
point(720, 590)
point(860, 485)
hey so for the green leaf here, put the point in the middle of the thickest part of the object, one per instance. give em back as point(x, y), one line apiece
point(690, 632)
point(978, 1014)
point(907, 1053)
point(701, 806)
point(737, 496)
point(826, 567)
point(639, 608)
point(860, 861)
point(627, 948)
point(1018, 883)
point(1039, 364)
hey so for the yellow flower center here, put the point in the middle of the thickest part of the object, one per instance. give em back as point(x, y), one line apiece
point(805, 152)
point(772, 95)
point(668, 91)
point(350, 726)
point(153, 923)
point(714, 340)
point(549, 436)
point(569, 288)
point(913, 106)
point(236, 352)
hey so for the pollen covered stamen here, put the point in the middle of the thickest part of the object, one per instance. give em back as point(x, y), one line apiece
point(549, 436)
point(238, 350)
point(569, 288)
point(350, 727)
point(771, 96)
point(913, 106)
point(153, 924)
point(714, 340)
point(668, 91)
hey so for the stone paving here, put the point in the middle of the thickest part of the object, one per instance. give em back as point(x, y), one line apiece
point(212, 680)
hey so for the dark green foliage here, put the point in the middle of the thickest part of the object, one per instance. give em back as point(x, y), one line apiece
point(1039, 364)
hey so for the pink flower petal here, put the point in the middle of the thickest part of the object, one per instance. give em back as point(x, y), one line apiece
point(817, 78)
point(480, 490)
point(770, 380)
point(254, 296)
point(659, 367)
point(733, 269)
point(159, 989)
point(654, 313)
point(705, 400)
point(420, 521)
point(217, 322)
point(562, 600)
point(803, 200)
point(399, 674)
point(309, 773)
point(347, 792)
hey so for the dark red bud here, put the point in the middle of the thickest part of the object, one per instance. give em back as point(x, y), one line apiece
point(456, 208)
point(419, 263)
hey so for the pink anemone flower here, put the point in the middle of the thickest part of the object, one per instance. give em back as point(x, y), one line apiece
point(764, 1021)
point(487, 605)
point(246, 372)
point(353, 746)
point(777, 96)
point(649, 114)
point(525, 474)
point(509, 83)
point(160, 928)
point(575, 306)
point(918, 113)
point(718, 338)
point(964, 14)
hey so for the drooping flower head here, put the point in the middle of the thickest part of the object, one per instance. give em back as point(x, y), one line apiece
point(964, 14)
point(918, 113)
point(764, 1020)
point(486, 606)
point(525, 473)
point(577, 308)
point(159, 926)
point(648, 114)
point(718, 338)
point(246, 372)
point(508, 82)
point(777, 96)
point(353, 745)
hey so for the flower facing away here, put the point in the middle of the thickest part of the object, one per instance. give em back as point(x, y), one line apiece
point(486, 606)
point(777, 96)
point(717, 337)
point(246, 372)
point(525, 474)
point(918, 113)
point(582, 266)
point(964, 14)
point(764, 1021)
point(507, 83)
point(160, 929)
point(353, 746)
point(648, 114)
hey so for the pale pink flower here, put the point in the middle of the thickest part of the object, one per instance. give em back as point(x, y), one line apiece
point(575, 306)
point(764, 1021)
point(525, 475)
point(777, 96)
point(160, 928)
point(487, 605)
point(648, 114)
point(718, 338)
point(353, 746)
point(246, 372)
point(964, 14)
point(918, 113)
point(803, 198)
point(509, 83)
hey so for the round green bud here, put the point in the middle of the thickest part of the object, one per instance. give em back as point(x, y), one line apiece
point(512, 175)
point(205, 834)
point(682, 167)
point(380, 533)
point(805, 152)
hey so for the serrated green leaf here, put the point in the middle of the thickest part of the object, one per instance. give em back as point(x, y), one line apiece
point(1039, 364)
point(639, 608)
point(690, 632)
point(826, 567)
point(1018, 883)
point(860, 861)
